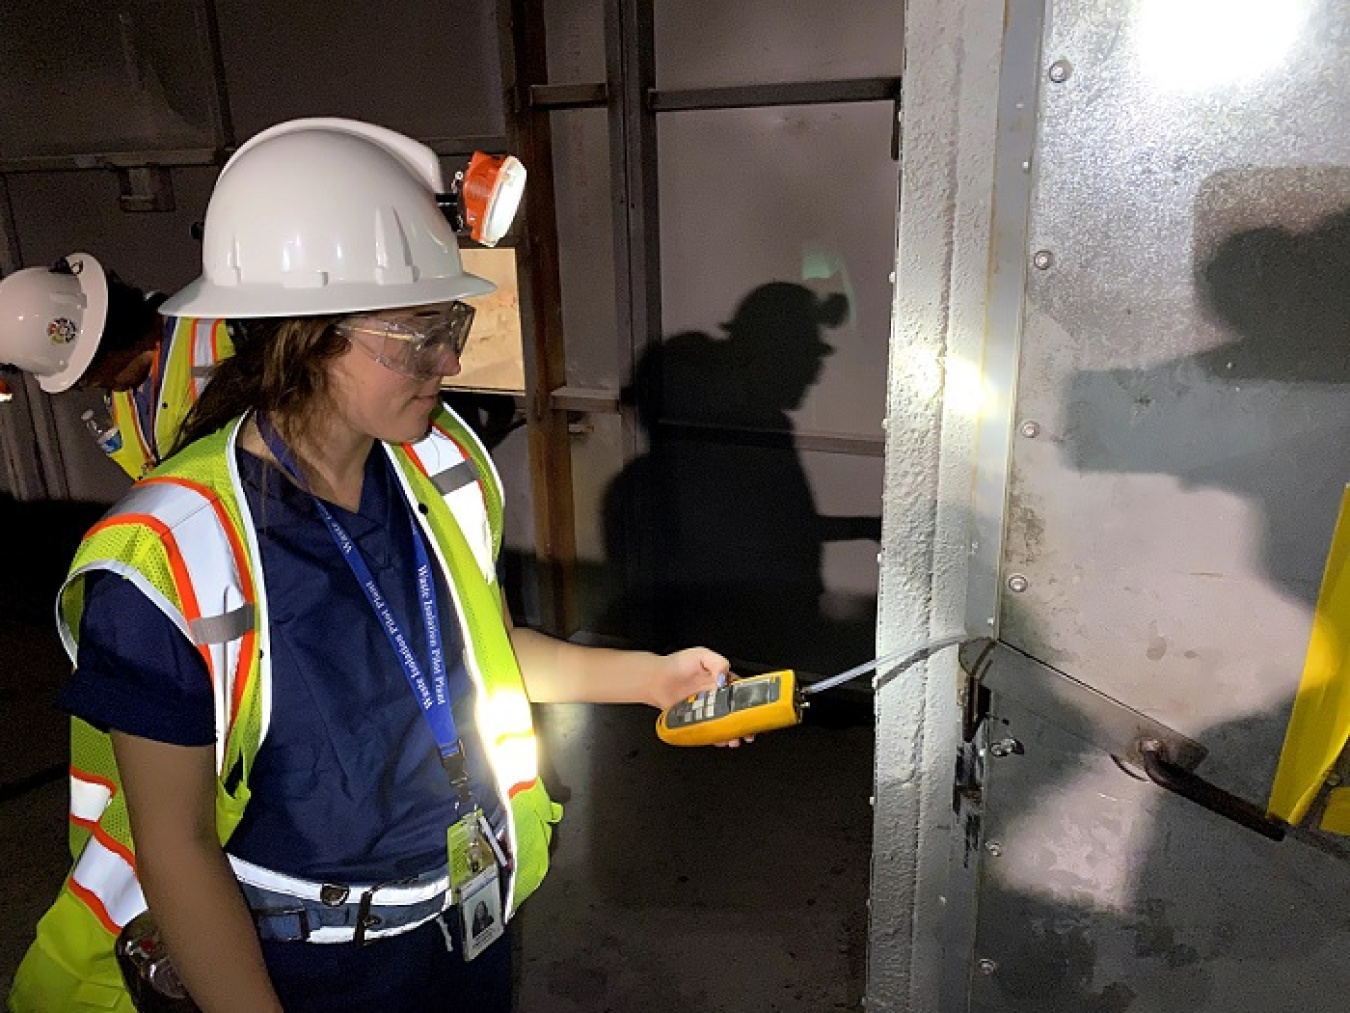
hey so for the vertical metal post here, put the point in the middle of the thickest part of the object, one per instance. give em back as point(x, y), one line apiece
point(224, 125)
point(630, 57)
point(921, 909)
point(524, 59)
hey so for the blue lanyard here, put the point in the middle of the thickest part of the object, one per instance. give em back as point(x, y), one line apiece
point(432, 695)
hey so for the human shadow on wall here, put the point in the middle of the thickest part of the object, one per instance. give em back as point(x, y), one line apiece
point(1262, 413)
point(717, 522)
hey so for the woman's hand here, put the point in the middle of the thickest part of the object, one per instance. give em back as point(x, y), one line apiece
point(686, 673)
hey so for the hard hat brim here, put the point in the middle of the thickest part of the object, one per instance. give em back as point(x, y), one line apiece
point(205, 300)
point(94, 288)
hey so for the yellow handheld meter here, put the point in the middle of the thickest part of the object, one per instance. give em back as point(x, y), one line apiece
point(763, 703)
point(760, 703)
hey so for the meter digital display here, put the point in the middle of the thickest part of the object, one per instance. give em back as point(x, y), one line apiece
point(757, 704)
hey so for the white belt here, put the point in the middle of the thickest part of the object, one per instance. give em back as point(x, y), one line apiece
point(391, 895)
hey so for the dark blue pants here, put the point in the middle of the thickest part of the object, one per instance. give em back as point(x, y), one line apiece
point(411, 973)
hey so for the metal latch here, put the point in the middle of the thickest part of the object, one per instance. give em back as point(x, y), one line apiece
point(1189, 786)
point(1166, 756)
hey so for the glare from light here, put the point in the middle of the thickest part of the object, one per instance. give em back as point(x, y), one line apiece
point(967, 393)
point(1190, 46)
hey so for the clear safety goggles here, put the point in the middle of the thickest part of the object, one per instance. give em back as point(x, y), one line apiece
point(420, 344)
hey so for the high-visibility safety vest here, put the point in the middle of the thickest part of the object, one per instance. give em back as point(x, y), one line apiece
point(185, 538)
point(189, 352)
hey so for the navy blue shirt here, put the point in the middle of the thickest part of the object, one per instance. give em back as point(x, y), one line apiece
point(348, 786)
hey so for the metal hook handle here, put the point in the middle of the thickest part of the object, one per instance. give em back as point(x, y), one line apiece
point(1182, 782)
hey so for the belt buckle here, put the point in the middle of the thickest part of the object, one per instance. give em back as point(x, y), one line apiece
point(364, 919)
point(300, 915)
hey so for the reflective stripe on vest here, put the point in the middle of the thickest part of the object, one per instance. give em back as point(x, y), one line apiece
point(105, 880)
point(454, 473)
point(220, 613)
point(502, 716)
point(89, 796)
point(187, 357)
point(215, 589)
point(205, 352)
point(212, 578)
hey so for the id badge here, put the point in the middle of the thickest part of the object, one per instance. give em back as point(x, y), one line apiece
point(480, 913)
point(474, 880)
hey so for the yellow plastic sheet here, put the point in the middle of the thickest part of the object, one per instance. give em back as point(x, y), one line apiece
point(1336, 819)
point(1320, 723)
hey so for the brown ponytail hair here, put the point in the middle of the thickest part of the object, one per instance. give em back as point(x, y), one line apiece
point(280, 366)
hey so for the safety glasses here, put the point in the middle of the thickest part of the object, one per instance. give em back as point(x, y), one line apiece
point(420, 343)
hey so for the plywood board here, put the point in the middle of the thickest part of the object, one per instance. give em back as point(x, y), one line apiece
point(493, 359)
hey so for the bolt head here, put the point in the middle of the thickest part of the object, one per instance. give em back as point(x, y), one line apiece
point(1043, 260)
point(1334, 779)
point(1060, 71)
point(987, 966)
point(1031, 430)
point(1018, 583)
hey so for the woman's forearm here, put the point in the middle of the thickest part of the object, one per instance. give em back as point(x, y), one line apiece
point(187, 881)
point(556, 671)
point(206, 927)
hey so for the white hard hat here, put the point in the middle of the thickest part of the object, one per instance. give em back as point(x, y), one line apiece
point(319, 216)
point(51, 320)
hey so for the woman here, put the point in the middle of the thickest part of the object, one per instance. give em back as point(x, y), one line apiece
point(320, 736)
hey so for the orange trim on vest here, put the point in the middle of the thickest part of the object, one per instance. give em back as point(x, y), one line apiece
point(82, 775)
point(191, 610)
point(116, 847)
point(517, 788)
point(245, 579)
point(417, 461)
point(102, 782)
point(94, 904)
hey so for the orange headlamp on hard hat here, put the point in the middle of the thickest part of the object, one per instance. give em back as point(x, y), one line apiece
point(483, 199)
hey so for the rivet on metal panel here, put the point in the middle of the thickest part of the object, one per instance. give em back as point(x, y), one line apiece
point(994, 848)
point(1018, 583)
point(987, 966)
point(1060, 71)
point(1044, 260)
point(1031, 430)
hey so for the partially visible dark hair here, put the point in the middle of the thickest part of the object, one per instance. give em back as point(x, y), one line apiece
point(279, 366)
point(132, 318)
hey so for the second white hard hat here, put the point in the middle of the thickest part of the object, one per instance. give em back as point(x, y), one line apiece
point(326, 216)
point(51, 320)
